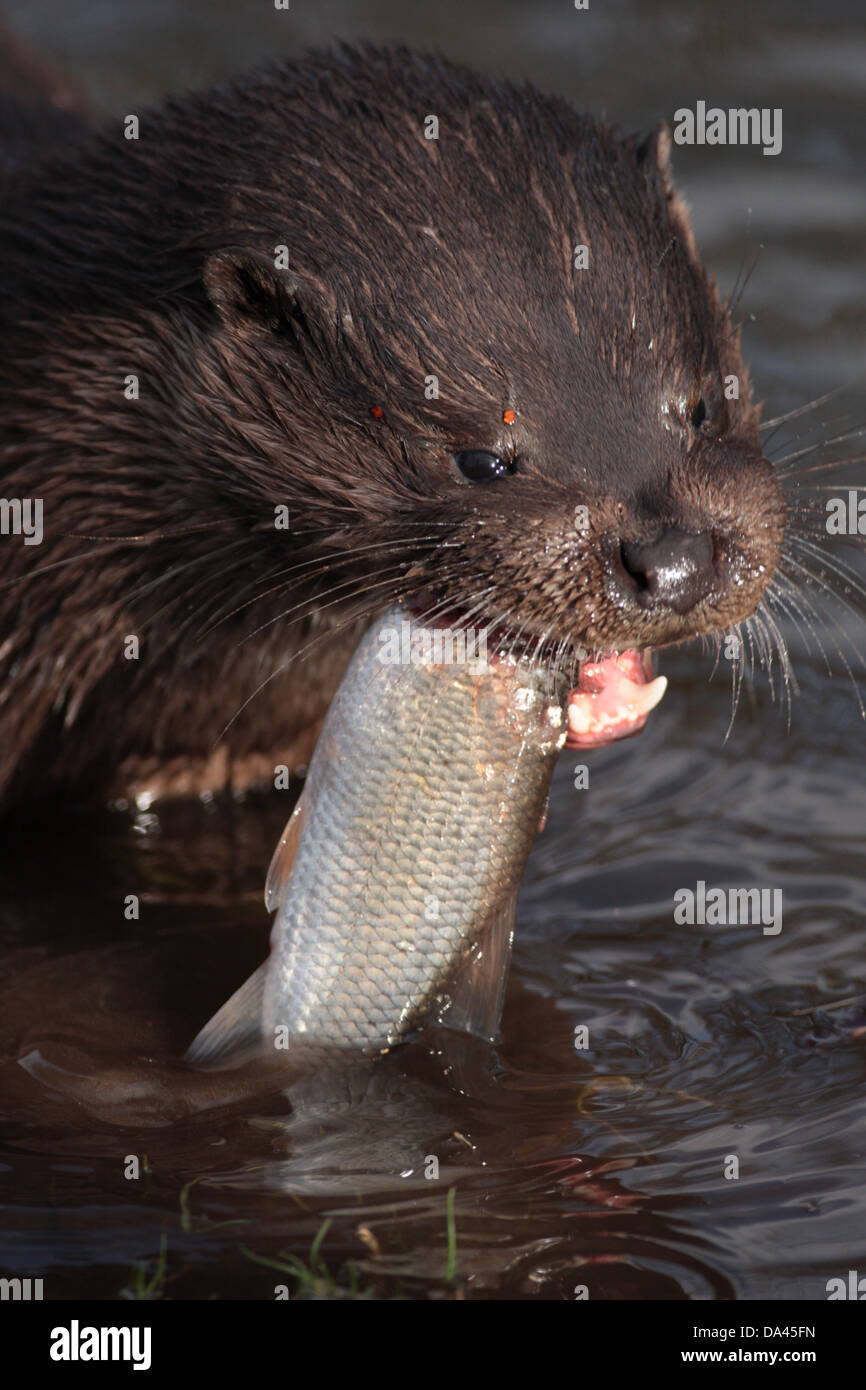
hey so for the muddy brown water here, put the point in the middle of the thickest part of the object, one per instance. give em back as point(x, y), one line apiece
point(603, 1166)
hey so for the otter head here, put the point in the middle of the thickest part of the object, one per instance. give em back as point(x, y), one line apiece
point(498, 376)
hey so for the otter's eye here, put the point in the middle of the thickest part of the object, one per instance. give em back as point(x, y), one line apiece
point(480, 466)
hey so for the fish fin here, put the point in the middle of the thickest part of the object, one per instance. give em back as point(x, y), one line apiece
point(284, 856)
point(477, 989)
point(235, 1031)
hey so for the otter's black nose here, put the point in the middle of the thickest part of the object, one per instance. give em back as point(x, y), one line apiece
point(673, 571)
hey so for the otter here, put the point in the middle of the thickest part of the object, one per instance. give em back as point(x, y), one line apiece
point(297, 350)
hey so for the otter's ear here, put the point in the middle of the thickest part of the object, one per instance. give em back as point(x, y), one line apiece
point(250, 294)
point(653, 153)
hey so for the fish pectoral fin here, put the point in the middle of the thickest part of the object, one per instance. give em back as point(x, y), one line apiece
point(235, 1031)
point(477, 988)
point(284, 855)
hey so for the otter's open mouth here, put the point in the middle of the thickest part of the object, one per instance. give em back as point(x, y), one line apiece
point(613, 698)
point(614, 695)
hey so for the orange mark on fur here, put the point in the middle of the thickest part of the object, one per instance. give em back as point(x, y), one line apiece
point(377, 412)
point(510, 416)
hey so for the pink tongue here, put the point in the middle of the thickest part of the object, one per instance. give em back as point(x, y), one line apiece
point(612, 699)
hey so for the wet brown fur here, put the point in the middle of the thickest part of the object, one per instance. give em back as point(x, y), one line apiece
point(408, 258)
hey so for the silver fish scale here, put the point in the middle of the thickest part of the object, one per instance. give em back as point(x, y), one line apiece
point(422, 800)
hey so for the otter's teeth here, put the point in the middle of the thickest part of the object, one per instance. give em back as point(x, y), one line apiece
point(646, 697)
point(622, 702)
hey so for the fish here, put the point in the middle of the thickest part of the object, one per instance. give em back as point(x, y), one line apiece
point(395, 881)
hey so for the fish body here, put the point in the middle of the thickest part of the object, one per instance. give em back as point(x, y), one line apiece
point(396, 879)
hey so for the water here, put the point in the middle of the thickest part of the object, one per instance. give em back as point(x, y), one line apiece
point(603, 1167)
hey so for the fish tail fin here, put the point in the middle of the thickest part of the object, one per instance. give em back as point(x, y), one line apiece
point(235, 1031)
